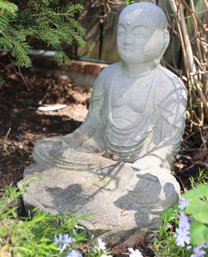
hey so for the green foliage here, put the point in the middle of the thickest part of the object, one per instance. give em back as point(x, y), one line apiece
point(196, 211)
point(201, 178)
point(50, 22)
point(128, 2)
point(165, 244)
point(6, 6)
point(34, 235)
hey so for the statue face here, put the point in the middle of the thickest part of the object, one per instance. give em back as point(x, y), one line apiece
point(139, 40)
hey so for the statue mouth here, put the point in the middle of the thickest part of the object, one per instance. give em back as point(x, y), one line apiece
point(127, 49)
point(130, 49)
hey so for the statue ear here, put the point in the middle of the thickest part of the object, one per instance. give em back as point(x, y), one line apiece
point(166, 43)
point(166, 38)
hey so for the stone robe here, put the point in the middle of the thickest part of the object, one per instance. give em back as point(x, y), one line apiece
point(132, 118)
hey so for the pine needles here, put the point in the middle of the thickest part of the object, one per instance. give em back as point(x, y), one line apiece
point(50, 22)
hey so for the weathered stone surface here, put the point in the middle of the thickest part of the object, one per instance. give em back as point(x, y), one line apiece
point(123, 202)
point(117, 164)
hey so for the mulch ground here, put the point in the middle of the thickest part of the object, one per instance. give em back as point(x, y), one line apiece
point(22, 124)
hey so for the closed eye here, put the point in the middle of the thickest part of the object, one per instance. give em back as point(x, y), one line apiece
point(121, 32)
point(138, 34)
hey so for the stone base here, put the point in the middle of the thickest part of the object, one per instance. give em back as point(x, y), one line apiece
point(123, 203)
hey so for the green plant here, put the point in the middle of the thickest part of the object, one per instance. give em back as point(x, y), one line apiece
point(51, 23)
point(128, 2)
point(200, 179)
point(190, 238)
point(42, 234)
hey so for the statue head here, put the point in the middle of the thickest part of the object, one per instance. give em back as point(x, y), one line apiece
point(142, 34)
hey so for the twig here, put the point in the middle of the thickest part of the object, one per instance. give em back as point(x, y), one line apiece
point(5, 138)
point(20, 73)
point(188, 168)
point(193, 14)
point(186, 157)
point(190, 150)
point(206, 3)
point(13, 65)
point(201, 163)
point(180, 183)
point(203, 139)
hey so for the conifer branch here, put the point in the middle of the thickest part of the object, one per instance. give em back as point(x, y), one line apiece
point(43, 21)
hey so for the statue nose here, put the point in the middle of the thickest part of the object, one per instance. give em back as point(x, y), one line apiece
point(128, 41)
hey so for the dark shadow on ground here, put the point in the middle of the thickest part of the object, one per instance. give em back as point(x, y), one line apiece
point(21, 125)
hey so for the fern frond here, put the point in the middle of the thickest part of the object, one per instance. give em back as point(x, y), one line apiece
point(4, 22)
point(20, 52)
point(77, 26)
point(25, 18)
point(49, 21)
point(74, 9)
point(21, 35)
point(5, 43)
point(78, 39)
point(8, 6)
point(43, 24)
point(63, 33)
point(62, 59)
point(50, 37)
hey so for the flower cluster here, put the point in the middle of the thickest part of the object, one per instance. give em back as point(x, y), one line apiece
point(101, 245)
point(183, 204)
point(64, 245)
point(199, 251)
point(182, 234)
point(134, 253)
point(64, 242)
point(100, 249)
point(183, 231)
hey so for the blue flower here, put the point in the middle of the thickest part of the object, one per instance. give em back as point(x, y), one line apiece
point(63, 241)
point(184, 221)
point(199, 251)
point(182, 237)
point(74, 253)
point(183, 231)
point(134, 253)
point(183, 203)
point(101, 245)
point(67, 239)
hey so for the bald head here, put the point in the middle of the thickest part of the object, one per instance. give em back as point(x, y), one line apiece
point(142, 34)
point(149, 13)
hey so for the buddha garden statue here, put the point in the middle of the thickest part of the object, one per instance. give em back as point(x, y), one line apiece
point(117, 164)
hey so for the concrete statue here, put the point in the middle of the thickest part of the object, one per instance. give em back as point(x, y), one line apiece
point(117, 164)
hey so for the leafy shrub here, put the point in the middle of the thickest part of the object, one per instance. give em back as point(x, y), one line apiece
point(190, 216)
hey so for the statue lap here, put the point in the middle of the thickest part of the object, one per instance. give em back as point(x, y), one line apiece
point(122, 202)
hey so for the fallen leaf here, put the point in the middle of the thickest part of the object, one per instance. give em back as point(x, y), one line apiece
point(124, 212)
